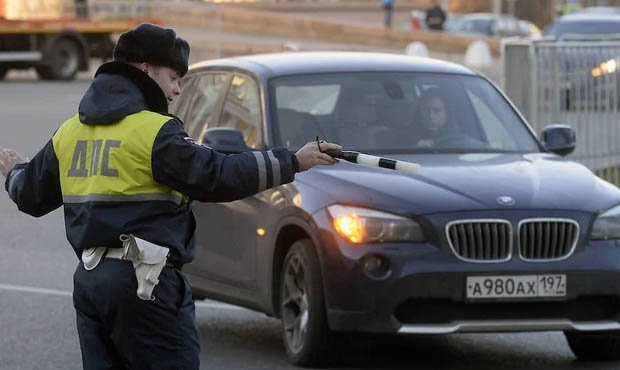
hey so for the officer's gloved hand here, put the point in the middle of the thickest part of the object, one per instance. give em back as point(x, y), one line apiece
point(312, 154)
point(8, 159)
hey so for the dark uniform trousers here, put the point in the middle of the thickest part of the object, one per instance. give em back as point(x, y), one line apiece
point(117, 330)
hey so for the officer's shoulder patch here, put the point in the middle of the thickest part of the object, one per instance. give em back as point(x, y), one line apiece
point(191, 141)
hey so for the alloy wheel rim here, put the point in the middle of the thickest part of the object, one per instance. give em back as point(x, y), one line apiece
point(295, 304)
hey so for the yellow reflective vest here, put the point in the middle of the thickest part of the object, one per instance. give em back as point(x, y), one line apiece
point(110, 162)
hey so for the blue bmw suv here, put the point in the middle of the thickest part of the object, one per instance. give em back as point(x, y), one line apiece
point(497, 231)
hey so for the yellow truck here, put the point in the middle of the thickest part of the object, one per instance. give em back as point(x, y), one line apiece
point(49, 36)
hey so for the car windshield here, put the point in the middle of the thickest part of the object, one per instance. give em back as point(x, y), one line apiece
point(397, 113)
point(585, 27)
point(480, 26)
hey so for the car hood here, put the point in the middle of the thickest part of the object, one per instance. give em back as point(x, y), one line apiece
point(449, 182)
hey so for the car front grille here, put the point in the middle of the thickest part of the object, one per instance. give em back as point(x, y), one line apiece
point(551, 239)
point(481, 240)
point(491, 240)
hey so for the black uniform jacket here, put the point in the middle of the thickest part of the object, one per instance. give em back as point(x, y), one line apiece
point(194, 170)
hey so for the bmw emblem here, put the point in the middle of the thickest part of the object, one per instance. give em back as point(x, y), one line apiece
point(505, 200)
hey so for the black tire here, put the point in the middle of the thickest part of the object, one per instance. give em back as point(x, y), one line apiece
point(306, 336)
point(597, 346)
point(63, 61)
point(3, 72)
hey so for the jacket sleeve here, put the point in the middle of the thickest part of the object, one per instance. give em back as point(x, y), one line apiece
point(35, 186)
point(206, 175)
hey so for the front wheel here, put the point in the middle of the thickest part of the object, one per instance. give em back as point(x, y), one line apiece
point(306, 336)
point(597, 346)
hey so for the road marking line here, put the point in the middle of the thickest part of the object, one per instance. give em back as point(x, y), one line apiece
point(62, 293)
point(27, 289)
point(222, 306)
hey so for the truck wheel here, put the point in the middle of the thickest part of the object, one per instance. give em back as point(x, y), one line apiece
point(597, 346)
point(64, 61)
point(307, 339)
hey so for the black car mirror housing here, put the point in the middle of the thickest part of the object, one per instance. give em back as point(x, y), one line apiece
point(559, 139)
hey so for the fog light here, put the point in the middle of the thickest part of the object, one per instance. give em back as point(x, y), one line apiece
point(376, 266)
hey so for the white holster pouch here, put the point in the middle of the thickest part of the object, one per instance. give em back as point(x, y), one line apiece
point(148, 261)
point(92, 256)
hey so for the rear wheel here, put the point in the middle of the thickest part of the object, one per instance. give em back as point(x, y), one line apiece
point(597, 346)
point(63, 61)
point(306, 336)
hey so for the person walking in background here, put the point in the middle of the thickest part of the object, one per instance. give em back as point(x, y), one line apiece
point(388, 5)
point(435, 16)
point(81, 8)
point(571, 6)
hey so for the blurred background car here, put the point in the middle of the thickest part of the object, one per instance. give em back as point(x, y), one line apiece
point(593, 81)
point(585, 23)
point(490, 25)
point(599, 10)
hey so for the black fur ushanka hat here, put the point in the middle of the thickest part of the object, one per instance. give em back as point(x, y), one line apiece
point(153, 44)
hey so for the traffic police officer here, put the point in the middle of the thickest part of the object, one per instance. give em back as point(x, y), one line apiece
point(124, 166)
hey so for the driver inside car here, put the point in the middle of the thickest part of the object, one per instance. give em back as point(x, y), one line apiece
point(433, 120)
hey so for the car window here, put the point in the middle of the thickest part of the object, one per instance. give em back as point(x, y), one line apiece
point(494, 115)
point(585, 27)
point(319, 99)
point(242, 110)
point(397, 113)
point(496, 134)
point(197, 104)
point(483, 27)
point(477, 26)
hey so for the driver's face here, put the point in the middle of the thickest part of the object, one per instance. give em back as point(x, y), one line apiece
point(435, 114)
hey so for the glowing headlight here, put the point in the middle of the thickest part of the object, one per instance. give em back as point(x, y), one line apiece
point(607, 225)
point(605, 68)
point(362, 225)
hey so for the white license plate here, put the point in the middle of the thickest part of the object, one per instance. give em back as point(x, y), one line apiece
point(516, 286)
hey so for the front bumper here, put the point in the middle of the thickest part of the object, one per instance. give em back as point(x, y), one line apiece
point(425, 290)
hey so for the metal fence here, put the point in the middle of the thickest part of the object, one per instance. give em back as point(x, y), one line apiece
point(574, 82)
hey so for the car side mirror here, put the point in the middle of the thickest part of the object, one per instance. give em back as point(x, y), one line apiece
point(559, 139)
point(225, 140)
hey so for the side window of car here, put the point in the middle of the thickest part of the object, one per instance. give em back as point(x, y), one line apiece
point(242, 110)
point(197, 105)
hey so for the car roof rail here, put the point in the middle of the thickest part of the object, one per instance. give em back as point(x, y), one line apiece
point(590, 37)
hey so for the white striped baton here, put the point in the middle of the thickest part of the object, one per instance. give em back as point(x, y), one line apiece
point(374, 161)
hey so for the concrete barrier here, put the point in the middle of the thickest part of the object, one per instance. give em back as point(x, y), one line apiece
point(322, 6)
point(417, 49)
point(478, 54)
point(235, 19)
point(202, 51)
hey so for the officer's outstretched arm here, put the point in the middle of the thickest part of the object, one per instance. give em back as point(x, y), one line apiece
point(35, 186)
point(207, 175)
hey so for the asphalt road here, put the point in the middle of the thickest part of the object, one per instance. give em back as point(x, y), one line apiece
point(37, 329)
